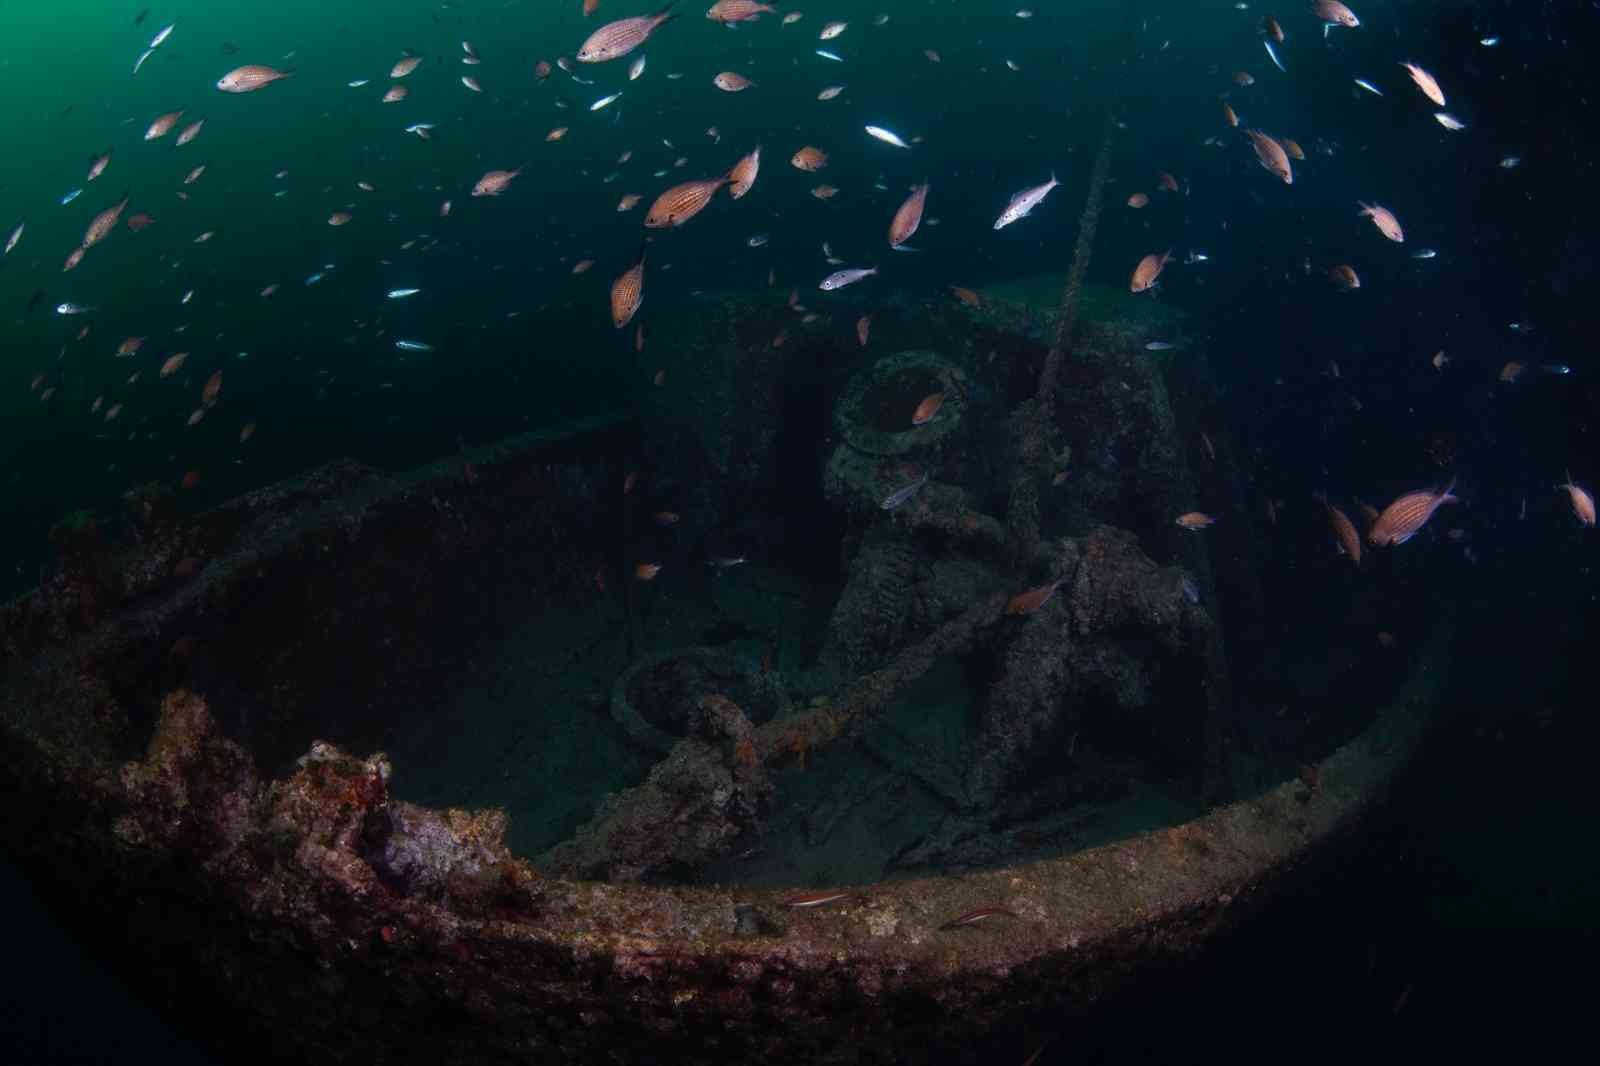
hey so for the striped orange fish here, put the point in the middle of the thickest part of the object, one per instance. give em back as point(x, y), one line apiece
point(1344, 278)
point(809, 158)
point(928, 409)
point(743, 174)
point(1344, 530)
point(908, 217)
point(738, 10)
point(1033, 599)
point(627, 293)
point(1271, 155)
point(249, 78)
point(1148, 270)
point(682, 202)
point(616, 39)
point(1400, 520)
point(1582, 501)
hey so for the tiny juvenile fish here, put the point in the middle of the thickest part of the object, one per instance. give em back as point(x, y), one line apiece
point(901, 495)
point(69, 197)
point(825, 54)
point(401, 294)
point(413, 346)
point(814, 899)
point(1367, 85)
point(72, 309)
point(840, 278)
point(974, 917)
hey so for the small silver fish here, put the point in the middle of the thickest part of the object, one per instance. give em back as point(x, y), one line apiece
point(160, 38)
point(146, 54)
point(312, 279)
point(887, 136)
point(840, 278)
point(1024, 202)
point(1424, 253)
point(1273, 54)
point(401, 294)
point(1510, 162)
point(413, 346)
point(1556, 368)
point(1159, 346)
point(1488, 42)
point(756, 240)
point(16, 235)
point(359, 82)
point(604, 100)
point(71, 196)
point(1196, 257)
point(1371, 88)
point(901, 495)
point(420, 129)
point(825, 54)
point(72, 309)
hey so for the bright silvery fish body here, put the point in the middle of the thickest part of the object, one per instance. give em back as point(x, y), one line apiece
point(1024, 202)
point(840, 278)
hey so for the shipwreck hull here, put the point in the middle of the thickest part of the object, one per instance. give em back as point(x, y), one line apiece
point(193, 771)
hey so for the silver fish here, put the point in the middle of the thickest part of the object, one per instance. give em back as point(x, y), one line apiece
point(160, 38)
point(756, 240)
point(604, 100)
point(825, 54)
point(1159, 346)
point(1273, 54)
point(72, 309)
point(901, 495)
point(401, 294)
point(887, 136)
point(1424, 253)
point(1024, 202)
point(1371, 88)
point(71, 196)
point(413, 346)
point(16, 235)
point(840, 278)
point(146, 54)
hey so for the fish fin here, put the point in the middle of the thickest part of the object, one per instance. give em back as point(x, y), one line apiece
point(666, 14)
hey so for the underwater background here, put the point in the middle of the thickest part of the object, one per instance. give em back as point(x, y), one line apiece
point(1461, 897)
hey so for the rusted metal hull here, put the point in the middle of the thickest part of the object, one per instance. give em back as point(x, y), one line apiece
point(257, 866)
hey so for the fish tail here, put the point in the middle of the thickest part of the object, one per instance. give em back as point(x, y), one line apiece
point(666, 14)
